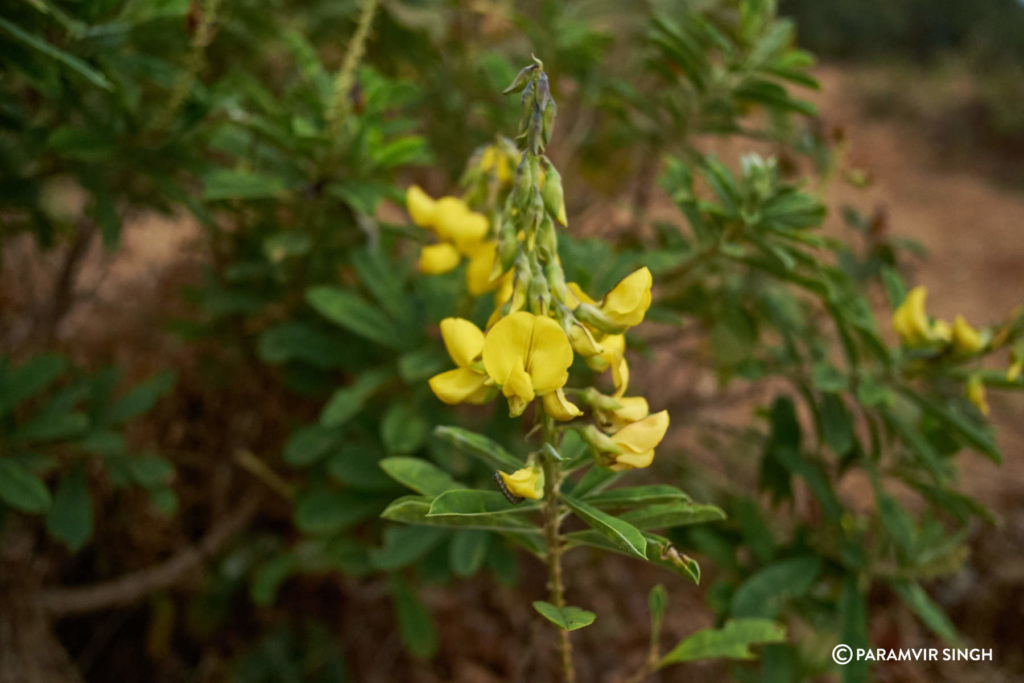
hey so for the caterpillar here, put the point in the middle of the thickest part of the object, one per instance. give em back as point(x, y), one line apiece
point(512, 498)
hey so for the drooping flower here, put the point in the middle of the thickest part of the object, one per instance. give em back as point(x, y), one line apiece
point(966, 339)
point(527, 482)
point(437, 259)
point(612, 355)
point(420, 206)
point(526, 355)
point(637, 441)
point(558, 406)
point(467, 383)
point(621, 411)
point(976, 394)
point(912, 324)
point(627, 302)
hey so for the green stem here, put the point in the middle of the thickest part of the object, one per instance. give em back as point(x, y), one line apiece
point(341, 105)
point(552, 521)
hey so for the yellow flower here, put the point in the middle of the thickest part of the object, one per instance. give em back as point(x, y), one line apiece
point(629, 300)
point(527, 355)
point(1013, 372)
point(559, 407)
point(578, 296)
point(436, 259)
point(976, 394)
point(455, 222)
point(583, 341)
point(912, 324)
point(420, 206)
point(630, 409)
point(966, 339)
point(527, 482)
point(480, 268)
point(638, 440)
point(493, 158)
point(466, 383)
point(613, 355)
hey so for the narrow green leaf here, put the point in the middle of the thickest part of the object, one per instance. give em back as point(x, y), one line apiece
point(403, 545)
point(475, 502)
point(70, 518)
point(415, 625)
point(356, 315)
point(21, 489)
point(676, 513)
point(346, 402)
point(419, 475)
point(764, 593)
point(26, 380)
point(237, 184)
point(566, 618)
point(468, 551)
point(480, 447)
point(69, 60)
point(140, 399)
point(324, 511)
point(617, 530)
point(636, 495)
point(928, 611)
point(732, 641)
point(269, 576)
point(414, 509)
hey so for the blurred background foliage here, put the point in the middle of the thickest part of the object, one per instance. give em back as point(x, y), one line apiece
point(303, 333)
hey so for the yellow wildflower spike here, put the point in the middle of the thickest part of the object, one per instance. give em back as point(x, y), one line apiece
point(437, 259)
point(638, 440)
point(527, 482)
point(420, 206)
point(629, 300)
point(966, 339)
point(559, 407)
point(976, 394)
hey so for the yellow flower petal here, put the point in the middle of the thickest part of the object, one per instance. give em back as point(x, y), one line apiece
point(966, 339)
point(976, 394)
point(645, 435)
point(458, 385)
point(583, 341)
point(629, 300)
point(579, 294)
point(910, 320)
point(436, 259)
point(518, 390)
point(634, 408)
point(550, 355)
point(507, 344)
point(478, 272)
point(463, 339)
point(559, 407)
point(446, 211)
point(629, 461)
point(1013, 372)
point(527, 482)
point(420, 206)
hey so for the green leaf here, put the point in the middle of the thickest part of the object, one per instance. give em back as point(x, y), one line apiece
point(636, 495)
point(468, 551)
point(28, 379)
point(69, 60)
point(325, 511)
point(299, 342)
point(358, 465)
point(415, 625)
point(617, 530)
point(403, 545)
point(660, 551)
point(150, 471)
point(269, 576)
point(763, 594)
point(22, 490)
point(732, 641)
point(677, 513)
point(70, 518)
point(236, 184)
point(836, 424)
point(977, 436)
point(566, 618)
point(346, 402)
point(311, 444)
point(827, 377)
point(419, 475)
point(898, 522)
point(475, 502)
point(52, 427)
point(140, 399)
point(414, 509)
point(403, 429)
point(657, 601)
point(925, 608)
point(480, 447)
point(356, 315)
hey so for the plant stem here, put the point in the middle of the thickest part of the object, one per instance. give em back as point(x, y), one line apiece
point(552, 520)
point(341, 105)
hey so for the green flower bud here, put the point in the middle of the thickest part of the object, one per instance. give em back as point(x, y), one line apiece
point(522, 79)
point(553, 195)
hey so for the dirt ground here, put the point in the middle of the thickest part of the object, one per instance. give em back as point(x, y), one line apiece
point(974, 230)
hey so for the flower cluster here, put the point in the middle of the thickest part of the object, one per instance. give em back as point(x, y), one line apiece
point(540, 321)
point(917, 330)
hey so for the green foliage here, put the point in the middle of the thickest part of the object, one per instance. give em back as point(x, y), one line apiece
point(565, 618)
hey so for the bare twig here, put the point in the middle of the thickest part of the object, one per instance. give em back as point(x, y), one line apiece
point(62, 602)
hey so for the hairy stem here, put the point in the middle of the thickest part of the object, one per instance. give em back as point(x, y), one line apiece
point(552, 521)
point(341, 104)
